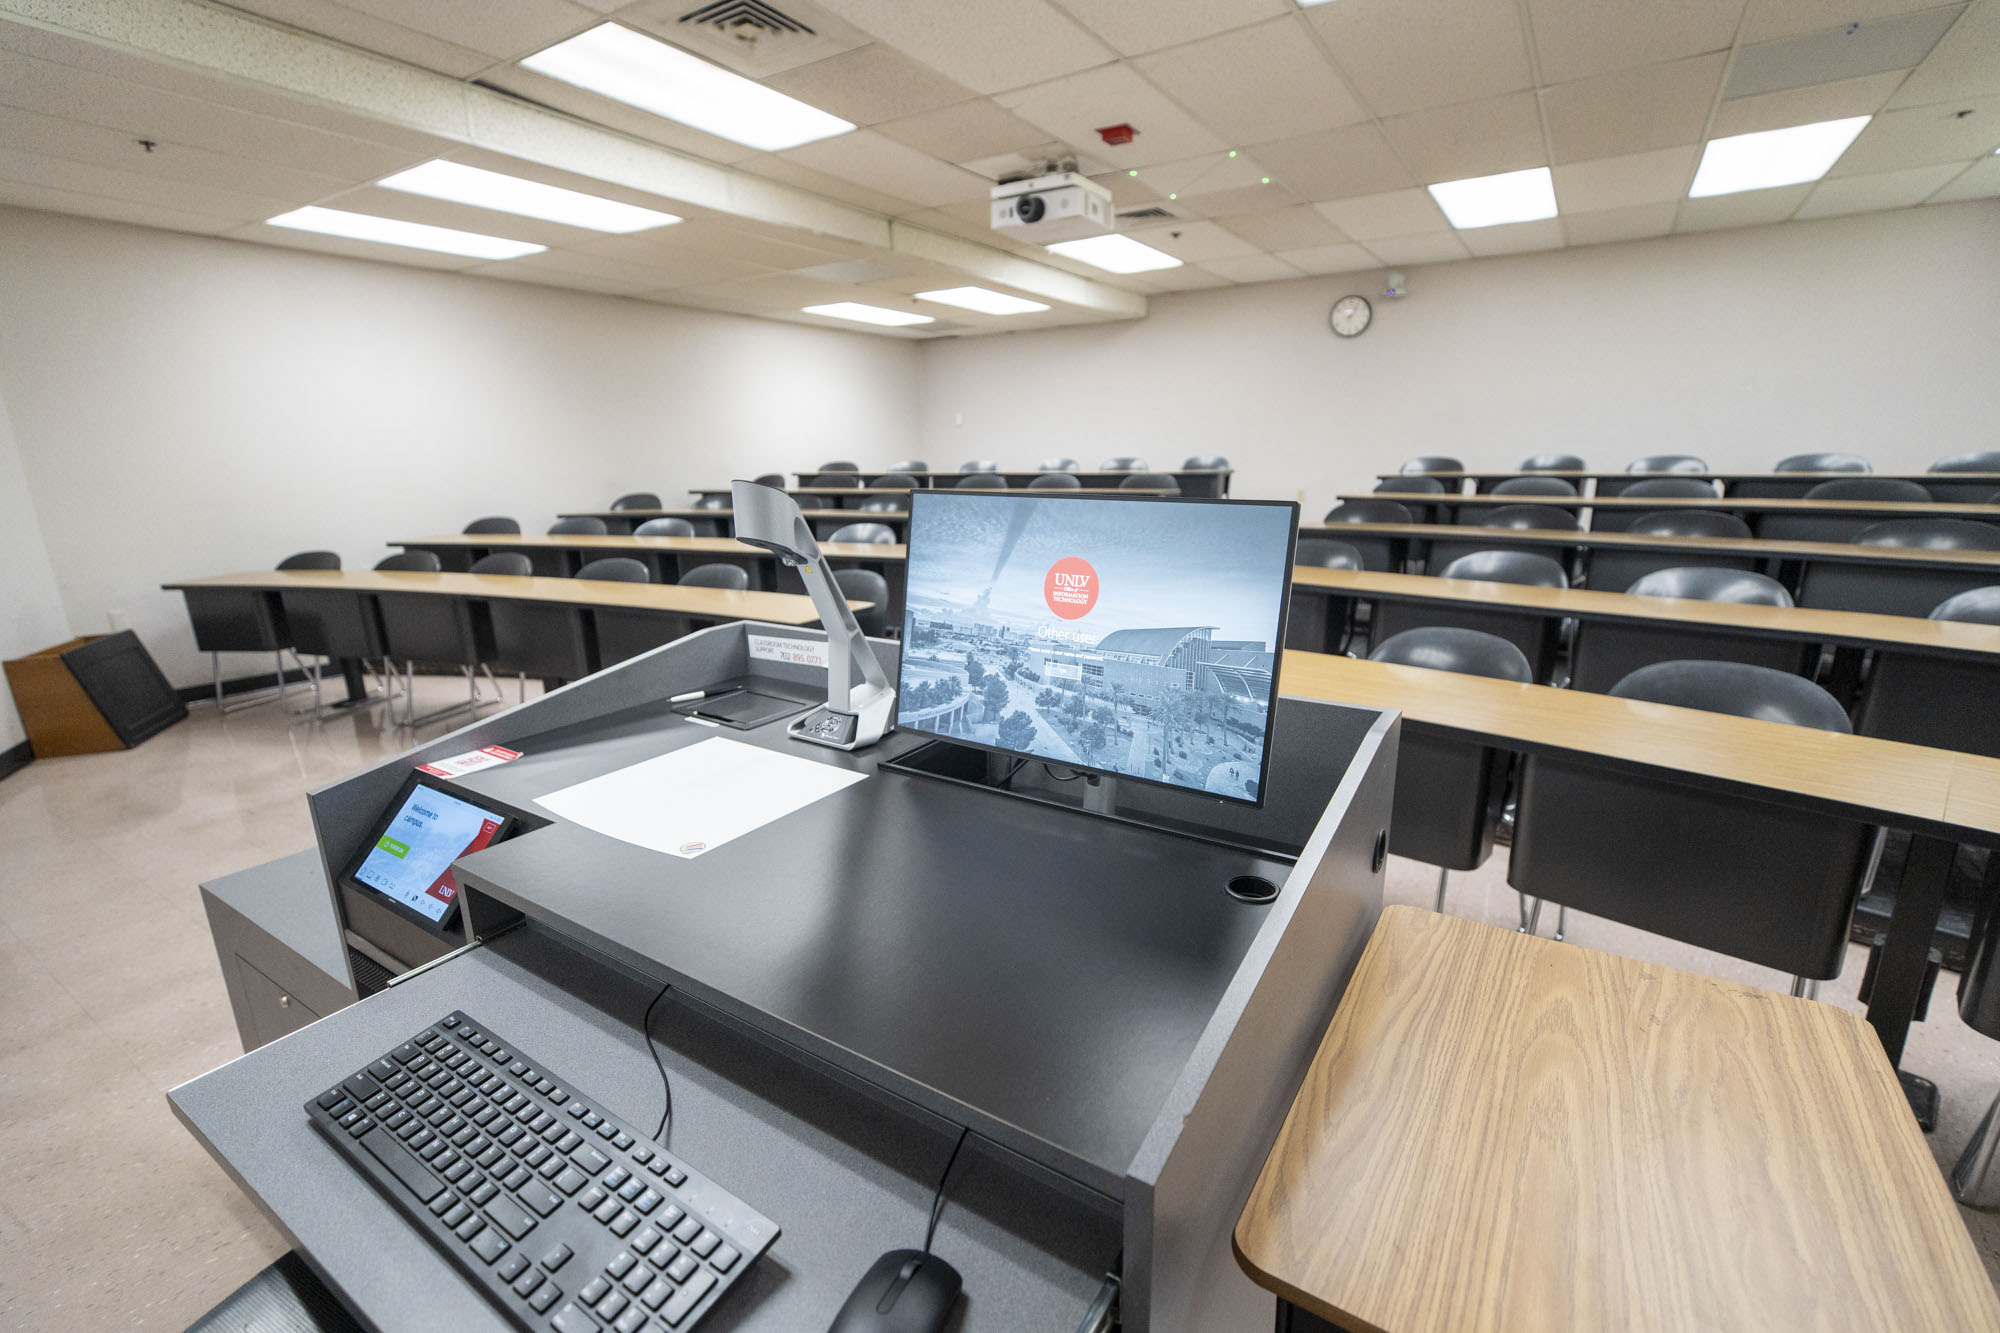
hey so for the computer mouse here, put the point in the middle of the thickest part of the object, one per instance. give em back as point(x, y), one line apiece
point(905, 1291)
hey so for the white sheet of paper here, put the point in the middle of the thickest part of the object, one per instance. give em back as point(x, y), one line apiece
point(697, 798)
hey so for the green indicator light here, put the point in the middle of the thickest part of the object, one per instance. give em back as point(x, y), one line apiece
point(1232, 152)
point(1173, 196)
point(1265, 181)
point(1133, 172)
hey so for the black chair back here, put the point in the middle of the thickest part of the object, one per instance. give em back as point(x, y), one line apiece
point(1055, 481)
point(1523, 517)
point(981, 481)
point(1670, 488)
point(1974, 606)
point(1205, 463)
point(1150, 481)
point(873, 534)
point(1709, 584)
point(1058, 465)
point(912, 465)
point(1823, 463)
point(1737, 689)
point(712, 502)
point(1465, 651)
point(1522, 567)
point(311, 560)
point(511, 563)
point(495, 524)
point(1124, 465)
point(1411, 485)
point(717, 575)
point(1368, 511)
point(979, 465)
point(839, 479)
point(1933, 534)
point(1667, 463)
point(1554, 463)
point(1690, 523)
point(1431, 463)
point(1985, 460)
point(664, 527)
point(637, 500)
point(616, 569)
point(581, 526)
point(838, 465)
point(883, 504)
point(419, 562)
point(1870, 488)
point(901, 481)
point(1324, 553)
point(1535, 486)
point(865, 585)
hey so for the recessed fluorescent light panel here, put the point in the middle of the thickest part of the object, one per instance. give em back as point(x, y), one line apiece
point(867, 314)
point(985, 302)
point(1491, 201)
point(414, 235)
point(461, 184)
point(632, 68)
point(1771, 158)
point(1115, 254)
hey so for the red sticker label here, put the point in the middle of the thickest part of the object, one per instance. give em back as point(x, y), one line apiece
point(1070, 588)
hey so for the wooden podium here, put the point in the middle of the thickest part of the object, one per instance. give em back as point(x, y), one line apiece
point(100, 692)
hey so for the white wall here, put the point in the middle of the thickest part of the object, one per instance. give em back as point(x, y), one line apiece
point(1877, 334)
point(31, 614)
point(188, 406)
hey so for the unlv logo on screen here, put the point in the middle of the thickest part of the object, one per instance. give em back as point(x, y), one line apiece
point(1070, 588)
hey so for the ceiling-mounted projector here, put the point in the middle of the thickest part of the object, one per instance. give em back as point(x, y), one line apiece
point(1060, 206)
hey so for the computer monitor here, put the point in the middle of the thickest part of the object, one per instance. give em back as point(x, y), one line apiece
point(1132, 637)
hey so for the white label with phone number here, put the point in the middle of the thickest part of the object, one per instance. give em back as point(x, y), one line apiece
point(798, 652)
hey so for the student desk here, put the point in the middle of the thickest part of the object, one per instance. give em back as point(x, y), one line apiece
point(1942, 798)
point(872, 492)
point(1973, 487)
point(1912, 579)
point(1502, 1134)
point(1209, 482)
point(624, 520)
point(213, 595)
point(1842, 519)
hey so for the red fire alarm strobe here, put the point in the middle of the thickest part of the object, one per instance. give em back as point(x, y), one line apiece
point(1117, 135)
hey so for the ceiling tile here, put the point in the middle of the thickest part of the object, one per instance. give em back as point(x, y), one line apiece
point(525, 269)
point(1270, 81)
point(1399, 58)
point(1127, 190)
point(376, 201)
point(1608, 183)
point(1335, 164)
point(1620, 224)
point(1441, 248)
point(723, 240)
point(1321, 259)
point(21, 194)
point(1661, 106)
point(878, 162)
point(1195, 242)
point(1397, 213)
point(79, 141)
point(1965, 64)
point(1751, 208)
point(1471, 139)
point(1296, 228)
point(503, 29)
point(1865, 194)
point(626, 256)
point(1789, 18)
point(370, 33)
point(1576, 39)
point(137, 187)
point(1008, 165)
point(1186, 278)
point(966, 132)
point(1512, 238)
point(1205, 174)
point(1134, 29)
point(987, 45)
point(1844, 52)
point(1252, 268)
point(872, 84)
point(1981, 180)
point(1073, 109)
point(1245, 199)
point(1920, 135)
point(1805, 106)
point(787, 172)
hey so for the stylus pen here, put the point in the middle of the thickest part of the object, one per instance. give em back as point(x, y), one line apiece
point(402, 977)
point(684, 698)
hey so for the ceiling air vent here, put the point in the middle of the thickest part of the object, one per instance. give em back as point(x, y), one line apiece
point(757, 38)
point(1150, 213)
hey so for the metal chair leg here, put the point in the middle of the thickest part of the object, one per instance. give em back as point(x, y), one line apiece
point(1522, 906)
point(1562, 921)
point(1968, 1177)
point(1443, 875)
point(1534, 918)
point(1805, 988)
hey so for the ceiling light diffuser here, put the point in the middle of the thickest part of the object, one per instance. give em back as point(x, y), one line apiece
point(1115, 254)
point(982, 300)
point(1491, 201)
point(413, 235)
point(632, 68)
point(461, 184)
point(867, 314)
point(1770, 158)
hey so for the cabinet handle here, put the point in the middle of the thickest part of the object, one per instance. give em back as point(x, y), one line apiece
point(284, 1001)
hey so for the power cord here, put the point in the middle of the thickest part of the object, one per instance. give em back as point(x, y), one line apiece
point(937, 1198)
point(666, 1084)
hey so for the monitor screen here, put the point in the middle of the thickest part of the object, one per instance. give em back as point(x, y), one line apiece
point(1136, 637)
point(410, 860)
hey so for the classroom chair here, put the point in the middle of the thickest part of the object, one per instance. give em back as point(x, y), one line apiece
point(637, 500)
point(1377, 553)
point(495, 524)
point(718, 574)
point(324, 624)
point(664, 527)
point(1554, 463)
point(1803, 527)
point(883, 504)
point(1667, 463)
point(1823, 463)
point(1055, 481)
point(874, 534)
point(1535, 636)
point(1449, 793)
point(1058, 465)
point(1963, 492)
point(1943, 702)
point(1124, 465)
point(916, 466)
point(838, 465)
point(1319, 622)
point(843, 480)
point(1205, 463)
point(1431, 463)
point(865, 585)
point(1616, 519)
point(1150, 481)
point(1717, 869)
point(1416, 485)
point(581, 526)
point(440, 631)
point(1614, 569)
point(1517, 517)
point(1607, 651)
point(979, 465)
point(901, 481)
point(1979, 1006)
point(982, 481)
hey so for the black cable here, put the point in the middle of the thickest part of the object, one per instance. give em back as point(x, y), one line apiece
point(937, 1198)
point(666, 1084)
point(1050, 770)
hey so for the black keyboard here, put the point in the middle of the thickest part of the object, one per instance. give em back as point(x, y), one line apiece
point(565, 1216)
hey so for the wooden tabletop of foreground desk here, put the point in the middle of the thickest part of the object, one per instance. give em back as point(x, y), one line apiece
point(1954, 795)
point(1503, 1134)
point(781, 608)
point(1858, 628)
point(509, 541)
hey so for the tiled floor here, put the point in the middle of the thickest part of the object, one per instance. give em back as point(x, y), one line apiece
point(112, 1217)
